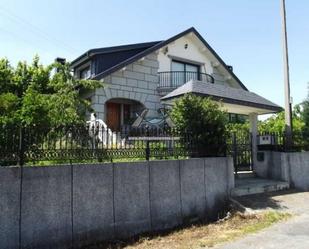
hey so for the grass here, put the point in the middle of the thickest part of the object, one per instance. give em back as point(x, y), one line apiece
point(96, 161)
point(206, 235)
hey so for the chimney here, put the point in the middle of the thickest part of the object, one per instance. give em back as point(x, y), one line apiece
point(230, 67)
point(60, 60)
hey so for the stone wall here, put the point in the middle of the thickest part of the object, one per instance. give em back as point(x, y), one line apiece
point(84, 204)
point(137, 81)
point(291, 167)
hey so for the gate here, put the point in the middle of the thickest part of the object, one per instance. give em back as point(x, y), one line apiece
point(240, 148)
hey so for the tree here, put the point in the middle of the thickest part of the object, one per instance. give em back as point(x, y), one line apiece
point(41, 95)
point(202, 118)
point(305, 114)
point(276, 123)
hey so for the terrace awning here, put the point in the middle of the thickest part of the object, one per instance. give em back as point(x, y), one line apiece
point(234, 100)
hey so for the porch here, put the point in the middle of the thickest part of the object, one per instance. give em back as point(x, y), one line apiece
point(120, 112)
point(243, 147)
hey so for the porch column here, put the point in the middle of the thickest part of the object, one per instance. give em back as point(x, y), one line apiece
point(253, 119)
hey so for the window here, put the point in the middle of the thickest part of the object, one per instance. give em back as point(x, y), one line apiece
point(85, 73)
point(237, 118)
point(183, 72)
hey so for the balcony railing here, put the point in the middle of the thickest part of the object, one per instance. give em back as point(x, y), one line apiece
point(174, 79)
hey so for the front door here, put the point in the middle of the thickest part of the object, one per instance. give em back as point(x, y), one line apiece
point(113, 116)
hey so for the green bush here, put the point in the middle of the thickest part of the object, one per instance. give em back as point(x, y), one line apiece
point(204, 121)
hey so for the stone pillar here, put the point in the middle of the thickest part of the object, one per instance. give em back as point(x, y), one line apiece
point(253, 119)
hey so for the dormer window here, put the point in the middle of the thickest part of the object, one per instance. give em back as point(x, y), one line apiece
point(85, 73)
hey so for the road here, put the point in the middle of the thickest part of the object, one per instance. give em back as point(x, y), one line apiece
point(290, 234)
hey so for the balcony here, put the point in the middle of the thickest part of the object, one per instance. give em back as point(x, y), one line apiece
point(174, 79)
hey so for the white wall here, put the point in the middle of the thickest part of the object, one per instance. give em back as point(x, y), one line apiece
point(192, 53)
point(196, 53)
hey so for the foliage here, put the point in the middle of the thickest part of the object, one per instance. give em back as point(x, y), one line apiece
point(276, 123)
point(305, 114)
point(41, 95)
point(236, 127)
point(203, 119)
point(300, 117)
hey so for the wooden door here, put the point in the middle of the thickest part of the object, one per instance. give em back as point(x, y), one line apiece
point(113, 116)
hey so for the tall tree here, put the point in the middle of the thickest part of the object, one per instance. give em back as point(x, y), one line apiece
point(41, 95)
point(276, 123)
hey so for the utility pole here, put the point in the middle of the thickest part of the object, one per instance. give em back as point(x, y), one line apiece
point(288, 104)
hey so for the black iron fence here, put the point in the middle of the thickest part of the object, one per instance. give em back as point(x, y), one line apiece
point(239, 146)
point(20, 145)
point(298, 141)
point(31, 145)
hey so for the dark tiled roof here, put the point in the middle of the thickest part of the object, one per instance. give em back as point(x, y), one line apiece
point(153, 47)
point(115, 49)
point(225, 93)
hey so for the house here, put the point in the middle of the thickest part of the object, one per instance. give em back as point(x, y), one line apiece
point(149, 75)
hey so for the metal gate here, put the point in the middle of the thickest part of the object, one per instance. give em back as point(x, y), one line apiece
point(240, 148)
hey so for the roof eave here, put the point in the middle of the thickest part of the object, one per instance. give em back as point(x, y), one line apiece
point(219, 59)
point(96, 51)
point(81, 59)
point(142, 54)
point(232, 101)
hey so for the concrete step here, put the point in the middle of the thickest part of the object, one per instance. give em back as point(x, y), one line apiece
point(245, 174)
point(250, 186)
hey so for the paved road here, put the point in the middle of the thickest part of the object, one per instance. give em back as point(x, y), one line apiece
point(291, 234)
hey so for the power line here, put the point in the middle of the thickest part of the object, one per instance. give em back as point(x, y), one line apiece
point(21, 38)
point(36, 30)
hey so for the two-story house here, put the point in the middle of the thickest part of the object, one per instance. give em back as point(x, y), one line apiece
point(146, 75)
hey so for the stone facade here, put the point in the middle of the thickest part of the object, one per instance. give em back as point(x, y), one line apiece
point(137, 81)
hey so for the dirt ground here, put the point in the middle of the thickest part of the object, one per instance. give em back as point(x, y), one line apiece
point(205, 235)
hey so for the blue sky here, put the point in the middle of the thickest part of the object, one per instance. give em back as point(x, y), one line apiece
point(246, 34)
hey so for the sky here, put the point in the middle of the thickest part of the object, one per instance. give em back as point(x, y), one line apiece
point(246, 34)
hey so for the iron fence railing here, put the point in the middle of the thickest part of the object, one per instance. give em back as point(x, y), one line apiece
point(239, 146)
point(28, 145)
point(298, 141)
point(19, 145)
point(173, 79)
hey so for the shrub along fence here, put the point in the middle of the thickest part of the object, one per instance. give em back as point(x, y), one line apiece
point(19, 145)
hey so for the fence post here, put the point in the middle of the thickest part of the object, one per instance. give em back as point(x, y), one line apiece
point(21, 146)
point(21, 163)
point(235, 152)
point(147, 150)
